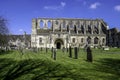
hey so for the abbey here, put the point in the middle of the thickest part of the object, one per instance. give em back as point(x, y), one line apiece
point(65, 32)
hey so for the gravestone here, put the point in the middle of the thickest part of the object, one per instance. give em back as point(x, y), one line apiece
point(76, 53)
point(52, 49)
point(70, 52)
point(46, 49)
point(89, 55)
point(54, 54)
point(41, 48)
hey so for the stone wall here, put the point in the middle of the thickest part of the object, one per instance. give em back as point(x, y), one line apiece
point(68, 32)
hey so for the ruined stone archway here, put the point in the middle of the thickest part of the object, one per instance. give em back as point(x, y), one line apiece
point(96, 40)
point(59, 43)
point(89, 40)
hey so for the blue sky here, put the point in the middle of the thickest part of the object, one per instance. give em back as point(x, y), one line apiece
point(20, 12)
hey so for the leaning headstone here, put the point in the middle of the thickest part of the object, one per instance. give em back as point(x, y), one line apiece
point(70, 52)
point(52, 49)
point(76, 53)
point(41, 48)
point(54, 54)
point(89, 54)
point(46, 49)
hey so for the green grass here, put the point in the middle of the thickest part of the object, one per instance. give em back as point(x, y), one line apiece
point(40, 66)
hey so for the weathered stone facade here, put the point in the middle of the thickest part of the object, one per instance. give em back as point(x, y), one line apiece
point(113, 37)
point(63, 32)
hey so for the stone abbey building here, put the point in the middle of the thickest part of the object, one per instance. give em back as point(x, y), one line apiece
point(65, 32)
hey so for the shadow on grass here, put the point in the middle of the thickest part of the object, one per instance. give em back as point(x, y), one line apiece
point(5, 52)
point(109, 66)
point(35, 70)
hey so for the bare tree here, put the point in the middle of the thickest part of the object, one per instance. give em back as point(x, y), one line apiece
point(3, 32)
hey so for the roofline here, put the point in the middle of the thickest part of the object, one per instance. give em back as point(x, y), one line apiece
point(63, 18)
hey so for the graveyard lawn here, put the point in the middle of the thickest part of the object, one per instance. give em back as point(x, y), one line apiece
point(40, 65)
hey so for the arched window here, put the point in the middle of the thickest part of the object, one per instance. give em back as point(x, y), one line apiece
point(40, 40)
point(60, 28)
point(89, 29)
point(56, 22)
point(96, 40)
point(41, 24)
point(82, 29)
point(49, 24)
point(82, 40)
point(67, 28)
point(89, 40)
point(75, 29)
point(103, 40)
point(73, 40)
point(96, 29)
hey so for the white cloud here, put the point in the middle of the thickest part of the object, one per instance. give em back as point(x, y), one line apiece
point(94, 5)
point(62, 5)
point(117, 7)
point(20, 30)
point(51, 7)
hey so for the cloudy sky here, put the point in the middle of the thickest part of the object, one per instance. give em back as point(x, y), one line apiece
point(20, 12)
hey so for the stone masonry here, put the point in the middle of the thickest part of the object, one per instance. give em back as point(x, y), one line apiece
point(63, 32)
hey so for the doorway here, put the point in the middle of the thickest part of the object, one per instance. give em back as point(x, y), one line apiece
point(59, 43)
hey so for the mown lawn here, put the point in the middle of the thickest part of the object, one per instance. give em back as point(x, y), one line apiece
point(40, 66)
